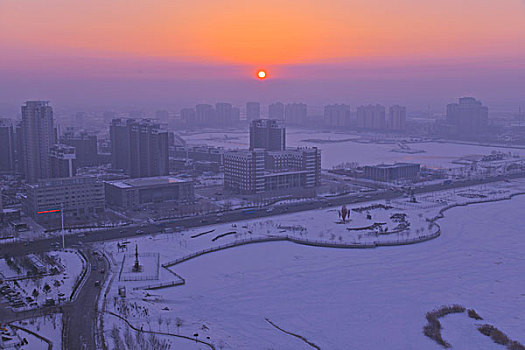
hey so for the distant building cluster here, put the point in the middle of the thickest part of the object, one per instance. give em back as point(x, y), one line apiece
point(340, 116)
point(34, 149)
point(73, 171)
point(374, 117)
point(207, 115)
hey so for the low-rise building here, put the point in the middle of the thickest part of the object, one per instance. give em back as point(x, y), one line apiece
point(393, 172)
point(132, 193)
point(76, 196)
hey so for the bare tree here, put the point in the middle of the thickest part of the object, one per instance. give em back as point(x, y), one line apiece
point(178, 323)
point(128, 339)
point(117, 340)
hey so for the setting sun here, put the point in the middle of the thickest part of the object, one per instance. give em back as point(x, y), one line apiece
point(261, 74)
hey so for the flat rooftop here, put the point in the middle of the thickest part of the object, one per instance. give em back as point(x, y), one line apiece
point(146, 181)
point(395, 165)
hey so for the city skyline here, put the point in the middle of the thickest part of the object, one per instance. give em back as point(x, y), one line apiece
point(247, 174)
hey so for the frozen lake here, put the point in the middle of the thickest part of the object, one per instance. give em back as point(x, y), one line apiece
point(437, 155)
point(364, 299)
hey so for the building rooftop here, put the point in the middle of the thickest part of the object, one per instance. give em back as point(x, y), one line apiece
point(283, 172)
point(146, 181)
point(267, 123)
point(395, 165)
point(63, 181)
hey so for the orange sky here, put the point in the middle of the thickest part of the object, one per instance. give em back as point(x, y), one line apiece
point(265, 33)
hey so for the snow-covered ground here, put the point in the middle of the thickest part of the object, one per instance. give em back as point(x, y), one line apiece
point(49, 327)
point(55, 283)
point(341, 298)
point(436, 155)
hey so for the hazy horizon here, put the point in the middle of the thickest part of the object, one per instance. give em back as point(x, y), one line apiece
point(81, 55)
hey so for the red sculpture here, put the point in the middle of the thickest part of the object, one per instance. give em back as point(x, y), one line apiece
point(344, 213)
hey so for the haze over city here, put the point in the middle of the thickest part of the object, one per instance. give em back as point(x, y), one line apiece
point(236, 174)
point(169, 53)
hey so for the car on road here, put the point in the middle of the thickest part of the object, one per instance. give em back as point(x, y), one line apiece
point(140, 232)
point(94, 267)
point(97, 283)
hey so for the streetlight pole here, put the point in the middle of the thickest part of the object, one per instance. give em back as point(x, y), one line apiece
point(62, 219)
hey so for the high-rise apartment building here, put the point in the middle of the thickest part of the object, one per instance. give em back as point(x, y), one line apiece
point(62, 161)
point(7, 146)
point(253, 111)
point(188, 116)
point(38, 135)
point(268, 134)
point(236, 114)
point(295, 113)
point(468, 117)
point(205, 115)
point(397, 116)
point(86, 148)
point(337, 115)
point(276, 111)
point(371, 117)
point(140, 148)
point(223, 114)
point(80, 119)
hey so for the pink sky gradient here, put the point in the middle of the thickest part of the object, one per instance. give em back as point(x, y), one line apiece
point(334, 41)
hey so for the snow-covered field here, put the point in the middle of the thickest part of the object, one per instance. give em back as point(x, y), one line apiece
point(342, 298)
point(437, 155)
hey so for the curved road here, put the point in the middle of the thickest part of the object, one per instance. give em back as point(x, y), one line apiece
point(79, 317)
